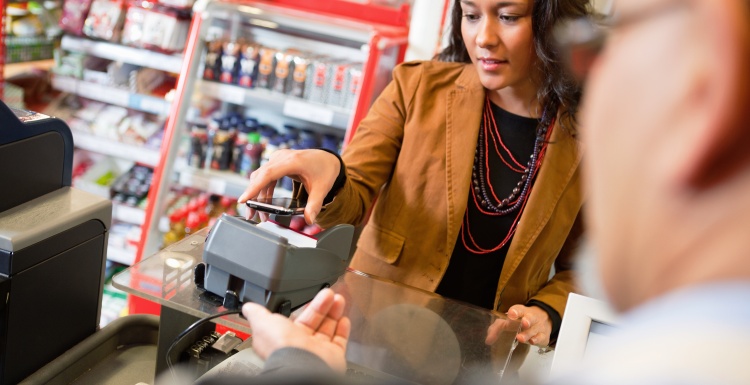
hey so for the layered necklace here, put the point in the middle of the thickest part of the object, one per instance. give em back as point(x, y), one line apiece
point(483, 193)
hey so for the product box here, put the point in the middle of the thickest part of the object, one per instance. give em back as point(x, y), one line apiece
point(132, 30)
point(74, 14)
point(104, 20)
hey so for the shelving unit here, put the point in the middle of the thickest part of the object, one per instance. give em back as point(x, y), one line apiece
point(117, 52)
point(93, 143)
point(123, 250)
point(216, 182)
point(373, 35)
point(111, 95)
point(274, 102)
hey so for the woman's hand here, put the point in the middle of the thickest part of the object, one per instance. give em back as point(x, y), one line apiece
point(321, 329)
point(316, 169)
point(536, 326)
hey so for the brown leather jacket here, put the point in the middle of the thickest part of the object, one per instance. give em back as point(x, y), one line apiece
point(414, 151)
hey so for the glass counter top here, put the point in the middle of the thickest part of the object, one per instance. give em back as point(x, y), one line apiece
point(396, 329)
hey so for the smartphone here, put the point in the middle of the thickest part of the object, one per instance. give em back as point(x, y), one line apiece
point(282, 206)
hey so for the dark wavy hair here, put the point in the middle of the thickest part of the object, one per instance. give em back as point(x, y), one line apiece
point(557, 90)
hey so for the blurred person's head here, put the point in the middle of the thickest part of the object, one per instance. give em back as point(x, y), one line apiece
point(510, 43)
point(668, 147)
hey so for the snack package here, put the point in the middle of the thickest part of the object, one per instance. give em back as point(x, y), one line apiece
point(105, 19)
point(74, 14)
point(165, 29)
point(266, 67)
point(132, 30)
point(248, 72)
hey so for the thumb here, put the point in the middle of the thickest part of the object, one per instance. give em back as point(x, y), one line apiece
point(515, 313)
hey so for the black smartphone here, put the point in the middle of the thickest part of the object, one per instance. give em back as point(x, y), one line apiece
point(282, 206)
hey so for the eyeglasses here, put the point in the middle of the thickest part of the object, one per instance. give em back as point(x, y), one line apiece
point(580, 41)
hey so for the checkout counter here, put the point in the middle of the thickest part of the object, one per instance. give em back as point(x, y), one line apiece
point(52, 255)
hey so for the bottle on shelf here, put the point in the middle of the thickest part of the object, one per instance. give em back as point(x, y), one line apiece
point(198, 143)
point(252, 154)
point(176, 227)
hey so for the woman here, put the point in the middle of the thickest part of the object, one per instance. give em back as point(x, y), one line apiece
point(474, 166)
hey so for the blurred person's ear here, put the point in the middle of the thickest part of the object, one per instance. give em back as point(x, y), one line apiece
point(722, 96)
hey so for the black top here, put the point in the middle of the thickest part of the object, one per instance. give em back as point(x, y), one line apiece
point(470, 277)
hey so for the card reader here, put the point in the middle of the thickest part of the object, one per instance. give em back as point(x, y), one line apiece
point(244, 262)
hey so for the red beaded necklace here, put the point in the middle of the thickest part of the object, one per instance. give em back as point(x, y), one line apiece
point(483, 194)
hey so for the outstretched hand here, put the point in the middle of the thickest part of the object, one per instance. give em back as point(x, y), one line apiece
point(321, 329)
point(536, 326)
point(317, 170)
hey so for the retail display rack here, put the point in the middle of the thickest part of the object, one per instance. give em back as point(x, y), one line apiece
point(280, 74)
point(116, 98)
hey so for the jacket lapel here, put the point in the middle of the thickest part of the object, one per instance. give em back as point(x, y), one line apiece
point(559, 165)
point(463, 117)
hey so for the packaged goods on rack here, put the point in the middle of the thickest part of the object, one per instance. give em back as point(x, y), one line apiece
point(233, 142)
point(317, 78)
point(104, 20)
point(155, 27)
point(31, 30)
point(74, 15)
point(190, 210)
point(131, 188)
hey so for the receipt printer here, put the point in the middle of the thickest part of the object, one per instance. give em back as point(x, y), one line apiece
point(52, 245)
point(244, 262)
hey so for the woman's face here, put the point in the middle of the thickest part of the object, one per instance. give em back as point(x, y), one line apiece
point(499, 39)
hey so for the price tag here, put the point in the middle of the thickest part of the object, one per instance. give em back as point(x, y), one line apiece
point(308, 111)
point(232, 94)
point(186, 179)
point(149, 104)
point(217, 186)
point(64, 83)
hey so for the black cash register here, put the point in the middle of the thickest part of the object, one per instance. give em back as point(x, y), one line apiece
point(52, 245)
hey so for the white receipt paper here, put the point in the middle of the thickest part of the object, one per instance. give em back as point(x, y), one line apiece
point(293, 237)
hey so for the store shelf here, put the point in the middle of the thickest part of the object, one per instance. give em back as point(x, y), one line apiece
point(278, 103)
point(128, 214)
point(218, 182)
point(123, 256)
point(111, 95)
point(137, 56)
point(114, 148)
